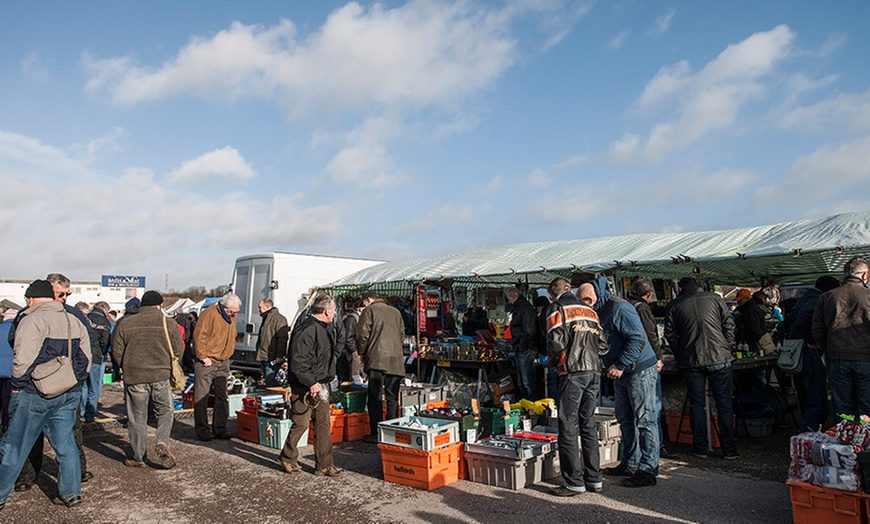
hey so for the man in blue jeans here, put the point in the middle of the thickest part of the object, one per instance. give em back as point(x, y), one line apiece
point(575, 343)
point(45, 331)
point(700, 331)
point(523, 325)
point(631, 364)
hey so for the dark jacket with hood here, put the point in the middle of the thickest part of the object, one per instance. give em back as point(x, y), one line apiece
point(699, 329)
point(311, 354)
point(575, 339)
point(630, 351)
point(841, 321)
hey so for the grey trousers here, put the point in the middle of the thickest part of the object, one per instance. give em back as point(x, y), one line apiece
point(138, 396)
point(204, 378)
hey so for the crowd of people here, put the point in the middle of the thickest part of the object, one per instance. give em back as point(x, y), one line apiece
point(585, 335)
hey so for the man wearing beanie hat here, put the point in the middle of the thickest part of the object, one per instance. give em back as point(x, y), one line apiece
point(749, 320)
point(144, 345)
point(811, 383)
point(44, 332)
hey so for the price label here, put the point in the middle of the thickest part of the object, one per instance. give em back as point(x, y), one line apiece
point(527, 424)
point(471, 435)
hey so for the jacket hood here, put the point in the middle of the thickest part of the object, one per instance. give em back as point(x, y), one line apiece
point(600, 285)
point(132, 306)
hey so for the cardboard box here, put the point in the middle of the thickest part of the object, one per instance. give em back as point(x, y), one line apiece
point(502, 386)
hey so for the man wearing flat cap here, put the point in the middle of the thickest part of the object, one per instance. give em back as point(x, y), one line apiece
point(45, 332)
point(144, 345)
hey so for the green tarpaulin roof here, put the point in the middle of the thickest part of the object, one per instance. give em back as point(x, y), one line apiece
point(788, 252)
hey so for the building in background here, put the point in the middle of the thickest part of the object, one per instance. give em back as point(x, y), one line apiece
point(114, 289)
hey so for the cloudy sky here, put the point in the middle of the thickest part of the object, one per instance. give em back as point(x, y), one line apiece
point(166, 140)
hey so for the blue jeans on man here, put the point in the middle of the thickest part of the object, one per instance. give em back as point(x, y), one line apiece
point(811, 386)
point(719, 377)
point(578, 394)
point(850, 387)
point(527, 379)
point(55, 417)
point(637, 411)
point(92, 389)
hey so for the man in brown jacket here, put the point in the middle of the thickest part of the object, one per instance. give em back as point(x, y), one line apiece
point(271, 340)
point(379, 336)
point(142, 345)
point(214, 343)
point(841, 328)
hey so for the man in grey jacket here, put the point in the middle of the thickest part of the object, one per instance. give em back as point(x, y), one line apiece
point(841, 327)
point(271, 341)
point(379, 336)
point(143, 345)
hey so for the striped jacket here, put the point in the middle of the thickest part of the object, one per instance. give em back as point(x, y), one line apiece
point(575, 339)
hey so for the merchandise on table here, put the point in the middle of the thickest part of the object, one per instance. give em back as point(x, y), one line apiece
point(418, 432)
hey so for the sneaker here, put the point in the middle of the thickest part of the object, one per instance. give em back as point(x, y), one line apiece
point(131, 463)
point(619, 471)
point(565, 491)
point(163, 456)
point(70, 502)
point(699, 454)
point(594, 489)
point(641, 479)
point(731, 456)
point(331, 471)
point(23, 486)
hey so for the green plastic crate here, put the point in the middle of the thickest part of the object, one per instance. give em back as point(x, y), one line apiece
point(353, 400)
point(498, 419)
point(107, 378)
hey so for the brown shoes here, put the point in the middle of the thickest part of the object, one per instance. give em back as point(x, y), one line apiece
point(331, 471)
point(163, 457)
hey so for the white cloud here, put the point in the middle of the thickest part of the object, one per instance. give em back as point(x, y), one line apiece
point(540, 178)
point(725, 186)
point(849, 111)
point(93, 149)
point(36, 67)
point(618, 41)
point(661, 24)
point(364, 161)
point(54, 205)
point(220, 163)
point(445, 216)
point(565, 205)
point(702, 102)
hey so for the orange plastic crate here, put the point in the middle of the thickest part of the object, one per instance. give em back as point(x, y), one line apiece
point(673, 419)
point(463, 469)
point(356, 426)
point(813, 504)
point(336, 427)
point(421, 469)
point(441, 404)
point(247, 427)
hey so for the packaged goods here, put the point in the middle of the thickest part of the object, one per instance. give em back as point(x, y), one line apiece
point(854, 433)
point(837, 478)
point(801, 446)
point(836, 455)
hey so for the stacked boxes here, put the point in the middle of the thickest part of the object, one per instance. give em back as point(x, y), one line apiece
point(426, 434)
point(502, 419)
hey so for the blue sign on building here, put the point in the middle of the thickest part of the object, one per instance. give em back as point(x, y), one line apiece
point(123, 281)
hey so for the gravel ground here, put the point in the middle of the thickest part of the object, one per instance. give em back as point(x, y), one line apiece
point(237, 481)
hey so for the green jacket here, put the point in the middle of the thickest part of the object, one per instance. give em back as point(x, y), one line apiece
point(139, 345)
point(379, 335)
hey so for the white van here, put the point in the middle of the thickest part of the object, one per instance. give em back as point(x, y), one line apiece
point(285, 278)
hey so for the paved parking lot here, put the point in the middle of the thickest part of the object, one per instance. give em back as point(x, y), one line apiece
point(237, 481)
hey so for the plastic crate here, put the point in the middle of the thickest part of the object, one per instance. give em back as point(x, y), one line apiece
point(504, 472)
point(608, 451)
point(511, 448)
point(466, 422)
point(437, 433)
point(107, 378)
point(410, 396)
point(432, 393)
point(247, 427)
point(499, 422)
point(608, 426)
point(356, 426)
point(421, 469)
point(236, 402)
point(336, 427)
point(354, 400)
point(755, 427)
point(812, 504)
point(274, 431)
point(441, 404)
point(673, 420)
point(410, 411)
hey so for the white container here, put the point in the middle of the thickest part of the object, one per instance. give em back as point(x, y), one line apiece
point(435, 433)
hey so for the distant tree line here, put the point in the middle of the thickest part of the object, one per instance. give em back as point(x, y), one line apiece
point(197, 293)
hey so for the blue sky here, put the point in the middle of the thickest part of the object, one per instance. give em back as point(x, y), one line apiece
point(151, 138)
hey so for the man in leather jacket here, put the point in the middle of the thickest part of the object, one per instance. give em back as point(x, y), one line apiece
point(575, 343)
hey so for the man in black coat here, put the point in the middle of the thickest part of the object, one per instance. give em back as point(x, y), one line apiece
point(523, 325)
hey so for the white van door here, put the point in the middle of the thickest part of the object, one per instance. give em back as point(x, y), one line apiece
point(252, 282)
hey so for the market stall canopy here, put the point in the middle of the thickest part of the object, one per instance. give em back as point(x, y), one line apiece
point(180, 306)
point(787, 252)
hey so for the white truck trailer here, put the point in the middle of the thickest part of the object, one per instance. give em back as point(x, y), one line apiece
point(285, 278)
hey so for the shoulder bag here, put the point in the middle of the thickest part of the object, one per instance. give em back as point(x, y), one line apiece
point(56, 377)
point(177, 378)
point(791, 355)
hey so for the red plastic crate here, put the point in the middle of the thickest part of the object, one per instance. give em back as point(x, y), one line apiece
point(421, 469)
point(813, 504)
point(673, 419)
point(336, 427)
point(356, 426)
point(252, 405)
point(247, 427)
